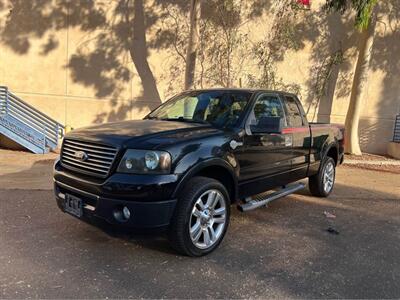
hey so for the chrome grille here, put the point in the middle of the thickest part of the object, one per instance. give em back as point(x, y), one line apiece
point(96, 161)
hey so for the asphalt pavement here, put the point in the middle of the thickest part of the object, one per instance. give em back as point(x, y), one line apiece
point(283, 251)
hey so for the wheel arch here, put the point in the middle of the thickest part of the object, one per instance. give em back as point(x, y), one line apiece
point(217, 169)
point(332, 151)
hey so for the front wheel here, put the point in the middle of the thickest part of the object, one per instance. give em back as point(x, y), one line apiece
point(321, 184)
point(201, 217)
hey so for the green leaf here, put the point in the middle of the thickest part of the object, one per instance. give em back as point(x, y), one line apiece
point(362, 8)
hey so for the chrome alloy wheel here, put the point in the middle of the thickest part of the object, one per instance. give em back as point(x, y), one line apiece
point(208, 219)
point(328, 177)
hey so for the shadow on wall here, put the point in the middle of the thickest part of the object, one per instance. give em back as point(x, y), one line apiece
point(375, 134)
point(114, 48)
point(385, 57)
point(335, 35)
point(114, 38)
point(329, 35)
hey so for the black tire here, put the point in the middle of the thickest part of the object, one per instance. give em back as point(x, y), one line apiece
point(179, 233)
point(316, 182)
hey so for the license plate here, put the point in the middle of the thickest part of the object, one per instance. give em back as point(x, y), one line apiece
point(73, 205)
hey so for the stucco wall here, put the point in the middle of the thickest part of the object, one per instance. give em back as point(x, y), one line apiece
point(60, 68)
point(381, 95)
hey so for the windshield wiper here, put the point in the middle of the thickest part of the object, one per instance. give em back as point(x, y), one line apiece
point(181, 119)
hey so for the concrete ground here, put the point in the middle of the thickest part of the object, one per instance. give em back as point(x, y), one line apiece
point(283, 251)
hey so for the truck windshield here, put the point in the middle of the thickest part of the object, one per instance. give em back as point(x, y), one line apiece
point(219, 108)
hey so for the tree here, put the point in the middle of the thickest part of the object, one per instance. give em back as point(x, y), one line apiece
point(114, 37)
point(193, 41)
point(365, 23)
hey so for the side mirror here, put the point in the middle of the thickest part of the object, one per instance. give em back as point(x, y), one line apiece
point(268, 125)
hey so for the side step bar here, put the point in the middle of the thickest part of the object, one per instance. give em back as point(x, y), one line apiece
point(257, 202)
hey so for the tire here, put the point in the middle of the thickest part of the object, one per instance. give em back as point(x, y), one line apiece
point(190, 217)
point(318, 183)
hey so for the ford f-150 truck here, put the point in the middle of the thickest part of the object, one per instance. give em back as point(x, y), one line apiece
point(190, 159)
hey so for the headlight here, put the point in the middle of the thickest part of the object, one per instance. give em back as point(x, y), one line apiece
point(145, 162)
point(152, 160)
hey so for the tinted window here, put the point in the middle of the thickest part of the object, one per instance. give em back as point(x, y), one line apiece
point(220, 108)
point(268, 106)
point(293, 113)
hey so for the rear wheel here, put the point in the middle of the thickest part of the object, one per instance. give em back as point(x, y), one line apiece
point(321, 184)
point(201, 217)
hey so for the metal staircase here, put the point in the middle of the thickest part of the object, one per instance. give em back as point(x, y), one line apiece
point(26, 125)
point(396, 132)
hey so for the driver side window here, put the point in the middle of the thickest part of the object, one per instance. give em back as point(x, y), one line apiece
point(268, 106)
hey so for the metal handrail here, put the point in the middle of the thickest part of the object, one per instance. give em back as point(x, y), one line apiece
point(12, 105)
point(396, 131)
point(32, 119)
point(26, 104)
point(25, 119)
point(35, 113)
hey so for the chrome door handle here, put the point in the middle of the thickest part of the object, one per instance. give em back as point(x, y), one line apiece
point(288, 140)
point(234, 144)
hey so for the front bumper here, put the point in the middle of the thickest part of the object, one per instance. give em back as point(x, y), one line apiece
point(147, 200)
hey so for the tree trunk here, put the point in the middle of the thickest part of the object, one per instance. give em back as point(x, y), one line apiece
point(193, 41)
point(358, 90)
point(138, 52)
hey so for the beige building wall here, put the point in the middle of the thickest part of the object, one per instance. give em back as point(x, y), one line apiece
point(381, 96)
point(62, 70)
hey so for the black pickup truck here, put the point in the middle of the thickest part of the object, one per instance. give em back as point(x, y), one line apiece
point(186, 162)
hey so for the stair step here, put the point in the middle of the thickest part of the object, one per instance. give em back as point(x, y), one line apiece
point(9, 130)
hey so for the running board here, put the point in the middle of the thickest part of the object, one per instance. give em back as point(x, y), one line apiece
point(259, 201)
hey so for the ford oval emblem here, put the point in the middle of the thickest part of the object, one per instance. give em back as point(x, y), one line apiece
point(81, 155)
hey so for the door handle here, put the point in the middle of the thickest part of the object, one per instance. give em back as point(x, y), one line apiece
point(234, 144)
point(288, 140)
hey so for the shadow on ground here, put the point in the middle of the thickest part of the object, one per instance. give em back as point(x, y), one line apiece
point(280, 251)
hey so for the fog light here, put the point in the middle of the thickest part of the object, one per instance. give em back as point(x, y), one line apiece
point(121, 213)
point(126, 212)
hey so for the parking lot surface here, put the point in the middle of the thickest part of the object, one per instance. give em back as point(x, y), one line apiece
point(283, 251)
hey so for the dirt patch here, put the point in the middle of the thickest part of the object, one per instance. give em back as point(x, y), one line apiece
point(25, 170)
point(381, 168)
point(370, 157)
point(372, 162)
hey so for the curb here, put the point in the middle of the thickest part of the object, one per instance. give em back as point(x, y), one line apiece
point(372, 162)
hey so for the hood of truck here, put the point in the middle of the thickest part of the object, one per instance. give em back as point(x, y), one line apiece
point(142, 133)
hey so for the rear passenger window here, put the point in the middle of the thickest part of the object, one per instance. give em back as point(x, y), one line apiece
point(293, 116)
point(268, 106)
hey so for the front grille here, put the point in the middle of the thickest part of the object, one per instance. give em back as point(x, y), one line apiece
point(98, 160)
